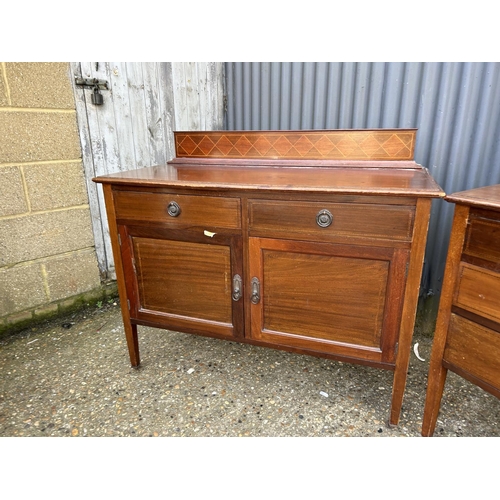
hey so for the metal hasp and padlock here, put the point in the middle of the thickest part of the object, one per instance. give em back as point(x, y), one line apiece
point(96, 97)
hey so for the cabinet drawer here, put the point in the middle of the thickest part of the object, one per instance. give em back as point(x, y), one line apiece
point(483, 238)
point(178, 210)
point(300, 219)
point(479, 292)
point(474, 348)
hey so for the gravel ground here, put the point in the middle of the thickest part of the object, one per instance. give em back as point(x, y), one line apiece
point(72, 377)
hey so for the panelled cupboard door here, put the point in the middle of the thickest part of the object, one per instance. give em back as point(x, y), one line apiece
point(183, 282)
point(341, 299)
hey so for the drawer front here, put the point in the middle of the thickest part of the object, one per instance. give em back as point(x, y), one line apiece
point(475, 349)
point(178, 210)
point(483, 239)
point(315, 220)
point(478, 291)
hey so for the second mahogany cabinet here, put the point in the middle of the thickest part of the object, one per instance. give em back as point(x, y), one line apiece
point(467, 336)
point(308, 241)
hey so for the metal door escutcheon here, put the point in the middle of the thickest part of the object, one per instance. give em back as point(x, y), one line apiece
point(255, 290)
point(324, 218)
point(173, 209)
point(236, 287)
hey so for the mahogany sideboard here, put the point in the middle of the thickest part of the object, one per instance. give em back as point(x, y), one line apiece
point(306, 241)
point(467, 335)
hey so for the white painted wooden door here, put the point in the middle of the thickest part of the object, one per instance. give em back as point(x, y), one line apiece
point(134, 126)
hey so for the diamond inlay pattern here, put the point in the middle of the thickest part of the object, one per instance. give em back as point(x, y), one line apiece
point(315, 145)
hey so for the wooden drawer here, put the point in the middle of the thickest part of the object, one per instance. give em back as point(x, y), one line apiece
point(483, 238)
point(207, 211)
point(478, 291)
point(299, 219)
point(473, 348)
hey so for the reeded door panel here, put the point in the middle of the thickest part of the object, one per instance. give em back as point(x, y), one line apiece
point(333, 298)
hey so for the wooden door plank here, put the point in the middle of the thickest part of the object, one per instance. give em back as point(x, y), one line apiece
point(91, 157)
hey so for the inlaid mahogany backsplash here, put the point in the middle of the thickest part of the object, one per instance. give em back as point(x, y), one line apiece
point(381, 144)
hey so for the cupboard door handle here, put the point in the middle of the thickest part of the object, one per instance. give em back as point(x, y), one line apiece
point(255, 290)
point(173, 209)
point(236, 287)
point(324, 218)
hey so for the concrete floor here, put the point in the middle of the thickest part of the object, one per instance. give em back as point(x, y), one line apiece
point(72, 377)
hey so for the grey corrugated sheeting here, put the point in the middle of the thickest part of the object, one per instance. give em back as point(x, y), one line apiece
point(455, 106)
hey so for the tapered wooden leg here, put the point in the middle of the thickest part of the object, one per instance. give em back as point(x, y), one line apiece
point(435, 388)
point(132, 344)
point(130, 329)
point(437, 373)
point(398, 388)
point(409, 307)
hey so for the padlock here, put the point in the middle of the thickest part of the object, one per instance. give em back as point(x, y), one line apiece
point(96, 97)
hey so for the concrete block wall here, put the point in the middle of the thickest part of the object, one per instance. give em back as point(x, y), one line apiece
point(47, 255)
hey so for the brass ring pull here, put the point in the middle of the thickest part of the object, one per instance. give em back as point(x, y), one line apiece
point(173, 209)
point(324, 218)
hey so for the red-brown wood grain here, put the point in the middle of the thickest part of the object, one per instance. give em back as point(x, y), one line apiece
point(483, 237)
point(320, 293)
point(474, 348)
point(486, 197)
point(478, 290)
point(409, 305)
point(358, 220)
point(372, 180)
point(198, 210)
point(122, 281)
point(467, 335)
point(248, 207)
point(392, 144)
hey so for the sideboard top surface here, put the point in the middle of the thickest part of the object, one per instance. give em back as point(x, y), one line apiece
point(404, 182)
point(482, 197)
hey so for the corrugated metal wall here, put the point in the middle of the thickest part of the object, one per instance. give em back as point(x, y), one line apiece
point(455, 106)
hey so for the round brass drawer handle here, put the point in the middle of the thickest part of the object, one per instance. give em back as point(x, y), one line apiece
point(173, 209)
point(324, 218)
